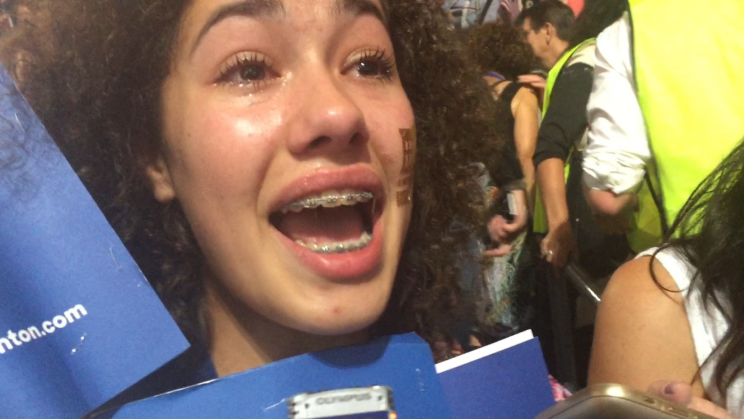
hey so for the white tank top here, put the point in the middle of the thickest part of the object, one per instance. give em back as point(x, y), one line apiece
point(707, 326)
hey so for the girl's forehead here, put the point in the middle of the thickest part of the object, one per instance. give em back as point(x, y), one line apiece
point(204, 15)
point(210, 12)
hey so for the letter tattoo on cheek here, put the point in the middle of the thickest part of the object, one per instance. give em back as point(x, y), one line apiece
point(404, 194)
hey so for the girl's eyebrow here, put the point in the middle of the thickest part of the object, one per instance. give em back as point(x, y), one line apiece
point(272, 8)
point(359, 7)
point(245, 8)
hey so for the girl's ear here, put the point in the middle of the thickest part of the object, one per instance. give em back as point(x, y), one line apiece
point(160, 180)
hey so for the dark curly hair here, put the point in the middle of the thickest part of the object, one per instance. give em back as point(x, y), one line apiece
point(94, 76)
point(498, 47)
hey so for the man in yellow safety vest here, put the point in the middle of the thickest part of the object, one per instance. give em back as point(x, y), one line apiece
point(548, 28)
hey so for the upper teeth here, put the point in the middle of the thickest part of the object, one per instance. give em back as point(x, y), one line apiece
point(329, 199)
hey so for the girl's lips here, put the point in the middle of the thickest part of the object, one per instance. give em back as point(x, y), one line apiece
point(341, 267)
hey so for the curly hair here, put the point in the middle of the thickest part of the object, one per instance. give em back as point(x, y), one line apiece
point(498, 47)
point(95, 80)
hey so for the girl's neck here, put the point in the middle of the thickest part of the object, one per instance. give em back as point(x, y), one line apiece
point(241, 339)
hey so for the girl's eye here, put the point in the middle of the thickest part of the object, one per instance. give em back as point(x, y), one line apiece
point(369, 69)
point(246, 69)
point(376, 64)
point(252, 73)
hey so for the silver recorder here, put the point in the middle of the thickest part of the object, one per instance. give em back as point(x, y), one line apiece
point(349, 403)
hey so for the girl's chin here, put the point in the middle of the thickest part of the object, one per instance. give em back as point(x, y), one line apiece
point(340, 321)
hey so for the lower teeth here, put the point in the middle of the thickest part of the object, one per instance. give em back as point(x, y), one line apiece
point(343, 247)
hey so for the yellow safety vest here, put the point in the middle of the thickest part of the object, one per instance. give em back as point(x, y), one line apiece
point(688, 75)
point(646, 229)
point(540, 220)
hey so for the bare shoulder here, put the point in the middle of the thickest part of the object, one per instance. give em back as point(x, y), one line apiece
point(526, 95)
point(642, 333)
point(635, 279)
point(525, 99)
point(637, 301)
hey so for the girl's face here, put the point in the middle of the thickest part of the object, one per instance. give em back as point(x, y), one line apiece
point(283, 144)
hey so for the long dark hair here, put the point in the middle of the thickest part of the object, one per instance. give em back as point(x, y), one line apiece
point(709, 233)
point(596, 16)
point(94, 76)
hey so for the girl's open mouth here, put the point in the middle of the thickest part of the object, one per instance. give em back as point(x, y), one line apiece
point(334, 227)
point(330, 222)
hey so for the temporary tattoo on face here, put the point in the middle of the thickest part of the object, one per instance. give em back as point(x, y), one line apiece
point(405, 193)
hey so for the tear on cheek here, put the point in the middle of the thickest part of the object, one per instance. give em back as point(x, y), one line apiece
point(404, 193)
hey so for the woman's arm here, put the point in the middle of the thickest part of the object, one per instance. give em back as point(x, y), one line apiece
point(642, 333)
point(525, 110)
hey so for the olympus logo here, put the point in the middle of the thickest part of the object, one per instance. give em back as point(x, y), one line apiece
point(344, 399)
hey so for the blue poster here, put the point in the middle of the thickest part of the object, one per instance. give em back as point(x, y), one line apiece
point(79, 323)
point(388, 378)
point(513, 381)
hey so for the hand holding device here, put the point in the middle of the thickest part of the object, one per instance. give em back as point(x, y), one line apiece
point(681, 393)
point(615, 401)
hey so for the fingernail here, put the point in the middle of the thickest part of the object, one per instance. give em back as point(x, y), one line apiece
point(669, 389)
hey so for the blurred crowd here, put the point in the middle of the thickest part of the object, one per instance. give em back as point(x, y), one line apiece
point(609, 147)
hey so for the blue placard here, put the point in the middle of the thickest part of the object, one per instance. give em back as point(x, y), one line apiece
point(512, 383)
point(78, 321)
point(402, 363)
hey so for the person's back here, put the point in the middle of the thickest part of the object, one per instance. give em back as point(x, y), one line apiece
point(680, 119)
point(501, 57)
point(681, 110)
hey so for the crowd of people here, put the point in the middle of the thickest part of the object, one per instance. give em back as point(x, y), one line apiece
point(292, 176)
point(621, 147)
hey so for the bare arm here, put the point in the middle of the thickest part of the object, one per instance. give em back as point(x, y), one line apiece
point(551, 178)
point(642, 333)
point(525, 110)
point(612, 212)
point(559, 243)
point(609, 203)
point(564, 123)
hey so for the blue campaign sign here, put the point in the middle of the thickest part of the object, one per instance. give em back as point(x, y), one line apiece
point(512, 382)
point(386, 378)
point(79, 323)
